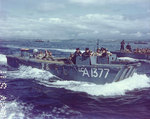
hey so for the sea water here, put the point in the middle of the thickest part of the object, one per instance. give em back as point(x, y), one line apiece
point(32, 93)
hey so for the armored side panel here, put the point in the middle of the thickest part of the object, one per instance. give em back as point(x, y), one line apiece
point(102, 60)
point(82, 60)
point(99, 74)
point(93, 60)
point(12, 61)
point(112, 58)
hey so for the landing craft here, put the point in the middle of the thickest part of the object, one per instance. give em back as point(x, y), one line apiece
point(143, 56)
point(95, 69)
point(140, 55)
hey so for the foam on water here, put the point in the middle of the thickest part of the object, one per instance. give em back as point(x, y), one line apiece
point(42, 48)
point(29, 72)
point(12, 110)
point(19, 110)
point(65, 50)
point(112, 89)
point(3, 59)
point(128, 59)
point(116, 88)
point(133, 59)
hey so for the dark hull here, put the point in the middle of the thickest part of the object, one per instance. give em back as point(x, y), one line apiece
point(132, 55)
point(99, 74)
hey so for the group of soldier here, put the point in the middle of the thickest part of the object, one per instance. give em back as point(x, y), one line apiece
point(99, 52)
point(47, 55)
point(128, 47)
point(137, 50)
point(142, 50)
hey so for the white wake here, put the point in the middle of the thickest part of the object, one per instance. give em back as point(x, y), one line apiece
point(112, 89)
point(29, 72)
point(3, 59)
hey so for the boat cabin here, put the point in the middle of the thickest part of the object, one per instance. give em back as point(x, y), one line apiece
point(93, 60)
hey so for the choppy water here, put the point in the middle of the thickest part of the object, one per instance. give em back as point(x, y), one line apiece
point(36, 94)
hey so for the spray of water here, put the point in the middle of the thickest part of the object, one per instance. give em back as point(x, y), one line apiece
point(112, 89)
point(3, 59)
point(12, 110)
point(116, 88)
point(29, 73)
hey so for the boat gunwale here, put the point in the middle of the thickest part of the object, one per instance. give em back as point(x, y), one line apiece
point(62, 63)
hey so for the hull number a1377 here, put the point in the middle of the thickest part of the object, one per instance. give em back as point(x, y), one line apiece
point(94, 72)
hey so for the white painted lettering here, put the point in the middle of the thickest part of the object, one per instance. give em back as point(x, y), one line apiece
point(94, 72)
point(43, 66)
point(47, 67)
point(107, 72)
point(85, 72)
point(101, 72)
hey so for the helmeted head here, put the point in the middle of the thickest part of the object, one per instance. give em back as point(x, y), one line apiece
point(87, 50)
point(77, 48)
point(98, 50)
point(35, 50)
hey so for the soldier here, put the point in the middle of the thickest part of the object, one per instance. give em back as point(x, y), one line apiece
point(105, 52)
point(48, 55)
point(98, 52)
point(40, 55)
point(76, 53)
point(87, 52)
point(35, 52)
point(122, 45)
point(128, 47)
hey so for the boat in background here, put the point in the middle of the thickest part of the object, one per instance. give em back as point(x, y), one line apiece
point(39, 40)
point(140, 42)
point(132, 55)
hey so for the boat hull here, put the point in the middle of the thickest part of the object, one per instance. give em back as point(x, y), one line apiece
point(132, 55)
point(99, 74)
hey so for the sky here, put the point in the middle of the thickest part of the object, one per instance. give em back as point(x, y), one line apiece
point(75, 19)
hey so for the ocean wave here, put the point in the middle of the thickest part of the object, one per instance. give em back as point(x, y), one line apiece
point(29, 72)
point(65, 50)
point(20, 110)
point(11, 110)
point(112, 89)
point(3, 59)
point(43, 48)
point(133, 59)
point(128, 59)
